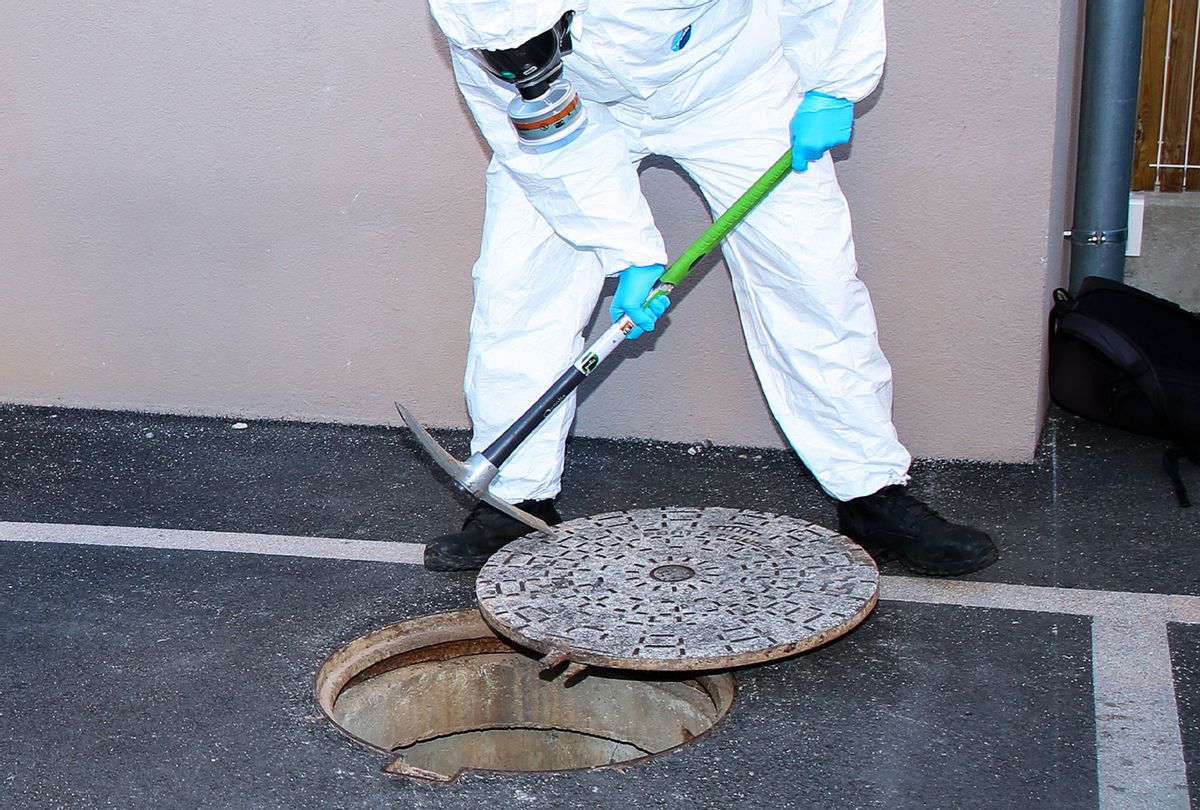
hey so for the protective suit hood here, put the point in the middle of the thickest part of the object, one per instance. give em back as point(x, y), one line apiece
point(498, 24)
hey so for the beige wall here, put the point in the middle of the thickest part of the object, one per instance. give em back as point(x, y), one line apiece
point(270, 209)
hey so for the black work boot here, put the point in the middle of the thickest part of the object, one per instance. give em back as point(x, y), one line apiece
point(484, 532)
point(891, 524)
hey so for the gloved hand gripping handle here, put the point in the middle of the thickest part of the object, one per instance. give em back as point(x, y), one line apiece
point(506, 444)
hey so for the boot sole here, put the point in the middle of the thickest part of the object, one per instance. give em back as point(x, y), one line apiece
point(883, 548)
point(441, 562)
point(436, 559)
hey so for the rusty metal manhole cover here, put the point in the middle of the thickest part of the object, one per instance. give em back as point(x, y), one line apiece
point(678, 589)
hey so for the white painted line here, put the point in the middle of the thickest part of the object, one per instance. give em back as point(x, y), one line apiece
point(964, 593)
point(1139, 751)
point(235, 542)
point(1076, 601)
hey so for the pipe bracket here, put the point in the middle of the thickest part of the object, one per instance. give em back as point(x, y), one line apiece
point(1097, 237)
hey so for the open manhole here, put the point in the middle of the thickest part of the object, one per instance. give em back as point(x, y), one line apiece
point(600, 645)
point(443, 694)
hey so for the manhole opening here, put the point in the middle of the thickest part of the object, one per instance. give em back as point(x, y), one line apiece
point(444, 694)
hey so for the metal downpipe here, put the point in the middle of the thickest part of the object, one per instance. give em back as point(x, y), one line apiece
point(1112, 53)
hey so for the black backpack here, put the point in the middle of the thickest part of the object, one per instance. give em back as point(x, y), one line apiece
point(1126, 358)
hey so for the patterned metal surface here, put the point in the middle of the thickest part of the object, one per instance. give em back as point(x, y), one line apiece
point(678, 588)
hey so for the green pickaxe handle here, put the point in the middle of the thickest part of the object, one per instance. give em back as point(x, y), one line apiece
point(507, 443)
point(727, 221)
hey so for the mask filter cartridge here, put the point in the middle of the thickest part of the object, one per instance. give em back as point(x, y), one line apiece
point(547, 113)
point(552, 120)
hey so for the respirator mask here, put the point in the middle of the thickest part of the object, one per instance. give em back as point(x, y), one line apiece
point(548, 113)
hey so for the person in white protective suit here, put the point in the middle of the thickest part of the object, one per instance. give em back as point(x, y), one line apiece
point(571, 95)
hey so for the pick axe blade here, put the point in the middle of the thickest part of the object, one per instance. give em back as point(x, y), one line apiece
point(471, 476)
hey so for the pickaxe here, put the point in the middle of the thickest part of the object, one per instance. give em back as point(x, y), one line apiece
point(475, 475)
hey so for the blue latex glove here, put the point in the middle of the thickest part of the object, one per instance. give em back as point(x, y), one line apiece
point(633, 286)
point(821, 122)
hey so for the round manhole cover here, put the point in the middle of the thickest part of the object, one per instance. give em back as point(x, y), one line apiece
point(678, 589)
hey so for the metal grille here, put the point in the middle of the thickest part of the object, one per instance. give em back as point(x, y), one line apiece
point(1167, 149)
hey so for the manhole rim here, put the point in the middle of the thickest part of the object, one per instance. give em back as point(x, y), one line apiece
point(398, 766)
point(321, 685)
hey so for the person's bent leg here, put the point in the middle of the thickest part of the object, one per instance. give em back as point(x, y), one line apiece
point(534, 295)
point(810, 329)
point(811, 333)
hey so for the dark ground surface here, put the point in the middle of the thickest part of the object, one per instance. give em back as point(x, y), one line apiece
point(156, 678)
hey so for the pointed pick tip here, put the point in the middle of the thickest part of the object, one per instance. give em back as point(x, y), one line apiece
point(507, 508)
point(449, 464)
point(404, 413)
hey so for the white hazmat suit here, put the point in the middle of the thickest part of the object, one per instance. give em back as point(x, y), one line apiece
point(559, 222)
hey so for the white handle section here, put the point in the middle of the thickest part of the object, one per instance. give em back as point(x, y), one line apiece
point(604, 345)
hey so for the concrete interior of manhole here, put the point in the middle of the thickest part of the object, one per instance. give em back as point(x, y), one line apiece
point(443, 694)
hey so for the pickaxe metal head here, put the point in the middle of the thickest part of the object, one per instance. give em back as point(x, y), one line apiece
point(472, 476)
